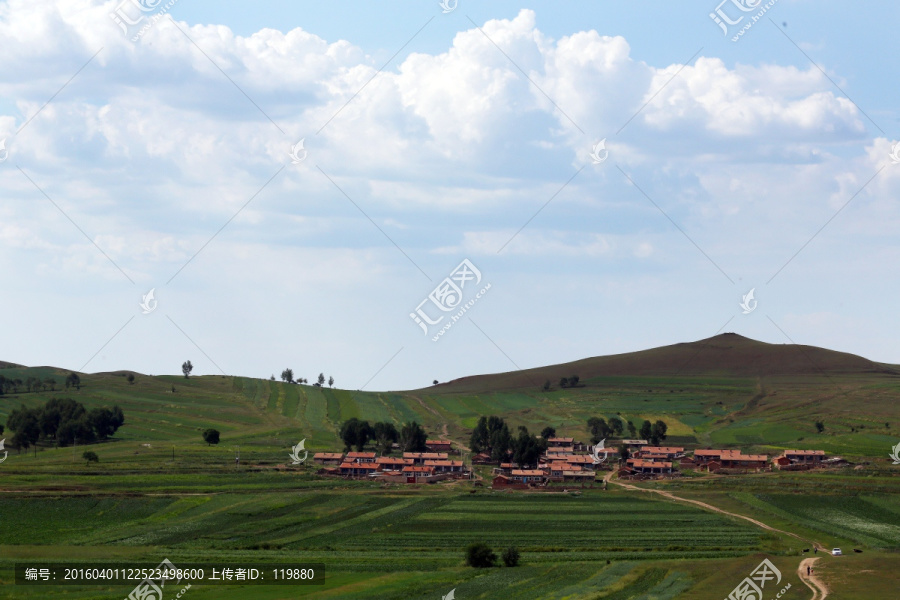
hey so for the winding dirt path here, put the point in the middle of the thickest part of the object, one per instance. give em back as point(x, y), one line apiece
point(819, 589)
point(704, 505)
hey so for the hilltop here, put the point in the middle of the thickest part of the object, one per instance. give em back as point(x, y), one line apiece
point(725, 355)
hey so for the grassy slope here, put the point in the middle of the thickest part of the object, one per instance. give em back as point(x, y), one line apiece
point(139, 501)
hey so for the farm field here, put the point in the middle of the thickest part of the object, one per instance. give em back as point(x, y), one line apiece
point(158, 491)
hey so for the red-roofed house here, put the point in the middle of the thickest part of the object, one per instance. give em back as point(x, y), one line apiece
point(419, 458)
point(353, 469)
point(438, 445)
point(328, 458)
point(361, 457)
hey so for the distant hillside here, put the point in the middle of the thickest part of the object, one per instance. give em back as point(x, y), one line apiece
point(9, 365)
point(728, 354)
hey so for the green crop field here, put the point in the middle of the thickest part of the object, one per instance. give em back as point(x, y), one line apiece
point(158, 491)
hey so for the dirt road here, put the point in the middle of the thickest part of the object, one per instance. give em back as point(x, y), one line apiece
point(819, 589)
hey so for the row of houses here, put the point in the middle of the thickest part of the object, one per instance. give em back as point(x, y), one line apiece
point(412, 467)
point(660, 460)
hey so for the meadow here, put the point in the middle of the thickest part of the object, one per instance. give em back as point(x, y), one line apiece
point(159, 491)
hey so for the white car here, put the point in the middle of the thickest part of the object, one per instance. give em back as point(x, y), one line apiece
point(836, 552)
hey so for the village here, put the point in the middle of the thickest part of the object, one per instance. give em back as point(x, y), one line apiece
point(564, 461)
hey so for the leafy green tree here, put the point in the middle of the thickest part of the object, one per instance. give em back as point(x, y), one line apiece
point(598, 428)
point(624, 454)
point(563, 382)
point(330, 381)
point(321, 379)
point(573, 380)
point(527, 448)
point(480, 556)
point(211, 436)
point(412, 437)
point(385, 435)
point(288, 375)
point(820, 426)
point(355, 432)
point(90, 456)
point(130, 378)
point(480, 439)
point(501, 441)
point(510, 557)
point(547, 386)
point(186, 368)
point(73, 380)
point(548, 432)
point(632, 431)
point(101, 420)
point(646, 430)
point(658, 432)
point(75, 431)
point(617, 426)
point(27, 429)
point(51, 383)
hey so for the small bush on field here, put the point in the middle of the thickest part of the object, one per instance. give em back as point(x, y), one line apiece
point(511, 557)
point(480, 556)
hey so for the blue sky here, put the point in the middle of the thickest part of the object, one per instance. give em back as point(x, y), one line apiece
point(165, 163)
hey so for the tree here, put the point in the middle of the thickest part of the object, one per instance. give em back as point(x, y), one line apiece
point(548, 432)
point(820, 426)
point(186, 368)
point(355, 433)
point(624, 454)
point(75, 431)
point(130, 378)
point(101, 421)
point(598, 428)
point(435, 382)
point(632, 432)
point(646, 430)
point(501, 440)
point(617, 426)
point(385, 435)
point(480, 556)
point(211, 436)
point(511, 557)
point(27, 429)
point(330, 381)
point(90, 456)
point(73, 380)
point(412, 437)
point(527, 448)
point(321, 379)
point(573, 380)
point(547, 385)
point(658, 432)
point(287, 376)
point(51, 383)
point(563, 382)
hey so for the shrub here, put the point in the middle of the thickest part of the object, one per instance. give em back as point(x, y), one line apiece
point(511, 557)
point(90, 456)
point(480, 556)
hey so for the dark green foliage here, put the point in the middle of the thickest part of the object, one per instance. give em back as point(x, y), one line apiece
point(64, 421)
point(510, 557)
point(73, 380)
point(547, 385)
point(186, 368)
point(385, 435)
point(573, 380)
point(412, 437)
point(598, 428)
point(130, 378)
point(527, 449)
point(563, 382)
point(90, 456)
point(356, 433)
point(480, 556)
point(287, 375)
point(632, 431)
point(548, 432)
point(211, 436)
point(646, 430)
point(820, 426)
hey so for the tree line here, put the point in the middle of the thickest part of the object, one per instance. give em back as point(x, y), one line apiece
point(288, 377)
point(356, 433)
point(63, 421)
point(36, 384)
point(492, 435)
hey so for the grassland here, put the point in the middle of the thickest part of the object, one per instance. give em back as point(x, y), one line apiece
point(159, 491)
